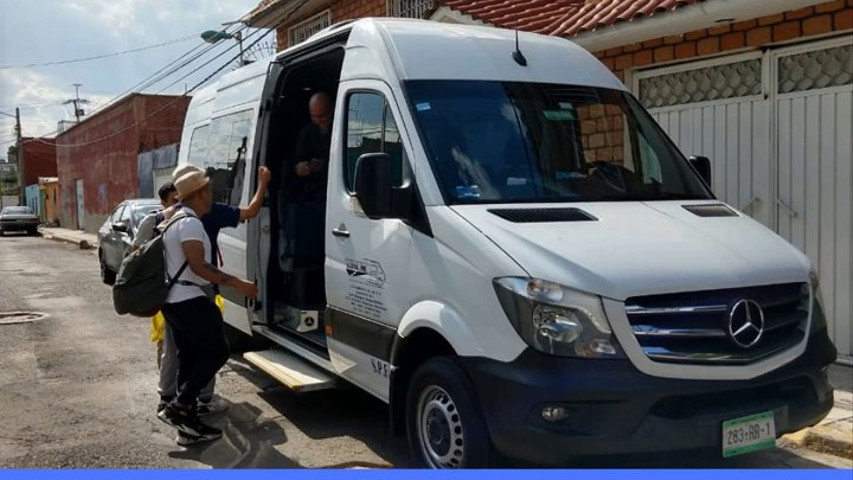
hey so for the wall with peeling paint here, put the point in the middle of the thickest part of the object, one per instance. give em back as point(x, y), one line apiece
point(103, 149)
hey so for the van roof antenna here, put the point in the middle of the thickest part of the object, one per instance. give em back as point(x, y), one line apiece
point(517, 55)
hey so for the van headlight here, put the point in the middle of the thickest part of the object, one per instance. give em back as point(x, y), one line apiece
point(555, 319)
point(818, 320)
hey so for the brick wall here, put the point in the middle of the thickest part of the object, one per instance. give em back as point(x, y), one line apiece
point(603, 135)
point(39, 159)
point(824, 18)
point(103, 150)
point(341, 10)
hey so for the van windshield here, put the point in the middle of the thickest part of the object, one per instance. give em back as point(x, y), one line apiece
point(504, 142)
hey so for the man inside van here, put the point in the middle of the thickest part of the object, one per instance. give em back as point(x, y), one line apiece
point(195, 320)
point(220, 216)
point(311, 157)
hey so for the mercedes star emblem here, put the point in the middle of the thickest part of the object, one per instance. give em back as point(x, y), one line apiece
point(746, 323)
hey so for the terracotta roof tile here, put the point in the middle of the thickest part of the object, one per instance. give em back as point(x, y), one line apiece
point(561, 17)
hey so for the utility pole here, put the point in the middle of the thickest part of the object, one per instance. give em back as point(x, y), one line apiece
point(21, 193)
point(77, 101)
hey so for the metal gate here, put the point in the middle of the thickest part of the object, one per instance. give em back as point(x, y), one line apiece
point(777, 127)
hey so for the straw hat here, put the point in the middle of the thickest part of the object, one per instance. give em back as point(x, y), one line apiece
point(190, 183)
point(185, 169)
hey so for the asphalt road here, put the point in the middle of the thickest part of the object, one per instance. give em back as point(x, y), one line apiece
point(78, 390)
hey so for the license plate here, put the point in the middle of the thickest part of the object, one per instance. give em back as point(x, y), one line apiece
point(749, 434)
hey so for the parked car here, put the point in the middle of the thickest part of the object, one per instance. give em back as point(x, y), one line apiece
point(117, 233)
point(18, 219)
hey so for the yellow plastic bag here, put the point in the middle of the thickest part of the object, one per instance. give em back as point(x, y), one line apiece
point(158, 322)
point(158, 325)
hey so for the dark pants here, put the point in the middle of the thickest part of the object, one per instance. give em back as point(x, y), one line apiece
point(200, 339)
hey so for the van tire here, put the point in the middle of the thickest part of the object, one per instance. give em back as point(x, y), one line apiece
point(441, 394)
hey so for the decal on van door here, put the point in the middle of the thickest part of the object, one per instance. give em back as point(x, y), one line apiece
point(366, 294)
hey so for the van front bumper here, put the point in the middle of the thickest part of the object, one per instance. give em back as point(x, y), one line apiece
point(614, 409)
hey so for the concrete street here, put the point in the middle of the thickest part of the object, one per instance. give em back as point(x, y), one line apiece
point(77, 389)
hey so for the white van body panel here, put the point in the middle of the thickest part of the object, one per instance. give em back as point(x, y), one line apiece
point(369, 373)
point(640, 248)
point(379, 246)
point(415, 50)
point(452, 290)
point(237, 91)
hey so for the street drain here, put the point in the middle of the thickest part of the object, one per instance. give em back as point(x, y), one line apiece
point(12, 318)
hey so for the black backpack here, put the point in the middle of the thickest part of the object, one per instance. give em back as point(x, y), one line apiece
point(142, 283)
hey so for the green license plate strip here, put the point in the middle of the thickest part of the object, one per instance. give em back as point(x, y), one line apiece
point(761, 425)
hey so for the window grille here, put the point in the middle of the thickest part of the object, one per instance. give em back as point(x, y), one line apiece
point(732, 80)
point(831, 67)
point(303, 30)
point(409, 8)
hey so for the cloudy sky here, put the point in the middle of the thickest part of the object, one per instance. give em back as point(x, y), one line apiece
point(40, 31)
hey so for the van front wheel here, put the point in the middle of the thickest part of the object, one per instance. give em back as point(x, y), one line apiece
point(444, 424)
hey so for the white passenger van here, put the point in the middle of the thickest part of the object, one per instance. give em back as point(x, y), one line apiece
point(510, 253)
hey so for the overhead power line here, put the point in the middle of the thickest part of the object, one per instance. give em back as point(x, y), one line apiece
point(98, 57)
point(279, 20)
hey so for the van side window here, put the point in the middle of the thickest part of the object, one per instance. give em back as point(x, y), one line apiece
point(226, 159)
point(371, 128)
point(198, 146)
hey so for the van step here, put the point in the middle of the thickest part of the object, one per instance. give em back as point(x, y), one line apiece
point(292, 372)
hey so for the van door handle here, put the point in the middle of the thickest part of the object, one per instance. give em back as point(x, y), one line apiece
point(341, 232)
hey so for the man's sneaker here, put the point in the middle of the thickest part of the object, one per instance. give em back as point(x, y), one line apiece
point(182, 418)
point(163, 402)
point(185, 440)
point(214, 406)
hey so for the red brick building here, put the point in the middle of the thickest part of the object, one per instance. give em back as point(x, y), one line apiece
point(39, 159)
point(97, 158)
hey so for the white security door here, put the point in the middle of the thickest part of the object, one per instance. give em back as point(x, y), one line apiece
point(718, 109)
point(81, 210)
point(814, 120)
point(777, 128)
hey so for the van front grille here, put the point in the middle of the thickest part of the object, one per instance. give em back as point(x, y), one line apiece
point(708, 327)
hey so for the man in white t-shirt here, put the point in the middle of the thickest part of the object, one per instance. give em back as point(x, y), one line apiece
point(190, 311)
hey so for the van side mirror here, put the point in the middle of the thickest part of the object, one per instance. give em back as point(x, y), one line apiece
point(702, 165)
point(373, 187)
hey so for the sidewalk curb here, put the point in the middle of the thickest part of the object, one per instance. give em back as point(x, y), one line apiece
point(81, 243)
point(825, 438)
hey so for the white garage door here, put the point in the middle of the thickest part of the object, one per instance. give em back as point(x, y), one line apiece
point(777, 128)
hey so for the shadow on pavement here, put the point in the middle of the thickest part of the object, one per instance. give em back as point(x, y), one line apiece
point(342, 412)
point(245, 444)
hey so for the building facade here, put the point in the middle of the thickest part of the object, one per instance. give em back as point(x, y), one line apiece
point(97, 158)
point(49, 187)
point(39, 159)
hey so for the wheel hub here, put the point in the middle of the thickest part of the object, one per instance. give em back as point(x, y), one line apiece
point(440, 429)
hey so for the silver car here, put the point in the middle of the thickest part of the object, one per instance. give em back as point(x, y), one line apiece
point(116, 235)
point(18, 219)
